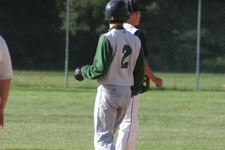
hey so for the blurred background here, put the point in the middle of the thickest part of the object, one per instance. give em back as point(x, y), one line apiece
point(35, 32)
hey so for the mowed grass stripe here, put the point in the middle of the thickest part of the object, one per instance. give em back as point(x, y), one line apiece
point(41, 117)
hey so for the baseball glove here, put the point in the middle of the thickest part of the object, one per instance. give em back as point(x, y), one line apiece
point(78, 74)
point(146, 85)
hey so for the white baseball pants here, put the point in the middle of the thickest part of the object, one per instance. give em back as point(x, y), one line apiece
point(111, 105)
point(129, 127)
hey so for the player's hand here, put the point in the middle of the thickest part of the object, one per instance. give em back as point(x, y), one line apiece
point(158, 82)
point(144, 89)
point(146, 85)
point(78, 74)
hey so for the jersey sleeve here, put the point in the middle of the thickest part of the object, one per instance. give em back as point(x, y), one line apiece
point(141, 36)
point(102, 60)
point(138, 74)
point(6, 71)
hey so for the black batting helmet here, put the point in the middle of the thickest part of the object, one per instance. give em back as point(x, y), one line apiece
point(116, 11)
point(133, 6)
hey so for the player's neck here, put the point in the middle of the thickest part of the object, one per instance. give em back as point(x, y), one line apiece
point(115, 24)
point(133, 21)
point(130, 21)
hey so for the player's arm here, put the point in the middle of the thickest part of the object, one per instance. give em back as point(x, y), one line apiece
point(5, 78)
point(4, 92)
point(102, 60)
point(156, 80)
point(138, 74)
point(148, 72)
point(5, 74)
point(141, 36)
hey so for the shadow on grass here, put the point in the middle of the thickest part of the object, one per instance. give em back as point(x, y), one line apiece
point(93, 89)
point(28, 149)
point(184, 89)
point(78, 89)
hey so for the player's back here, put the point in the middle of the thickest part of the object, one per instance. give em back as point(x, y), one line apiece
point(125, 51)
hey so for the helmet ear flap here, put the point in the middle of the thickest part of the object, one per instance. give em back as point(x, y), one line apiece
point(116, 11)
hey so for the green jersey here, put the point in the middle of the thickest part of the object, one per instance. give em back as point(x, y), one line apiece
point(119, 60)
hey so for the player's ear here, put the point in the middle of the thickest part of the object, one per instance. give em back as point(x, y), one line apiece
point(137, 12)
point(132, 15)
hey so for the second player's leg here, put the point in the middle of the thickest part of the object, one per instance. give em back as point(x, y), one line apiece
point(129, 127)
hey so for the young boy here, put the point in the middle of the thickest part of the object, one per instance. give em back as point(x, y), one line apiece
point(5, 77)
point(129, 127)
point(118, 67)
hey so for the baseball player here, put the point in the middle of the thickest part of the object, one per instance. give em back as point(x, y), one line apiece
point(5, 77)
point(118, 67)
point(129, 126)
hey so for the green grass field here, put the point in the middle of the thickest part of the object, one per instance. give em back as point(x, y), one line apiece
point(42, 115)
